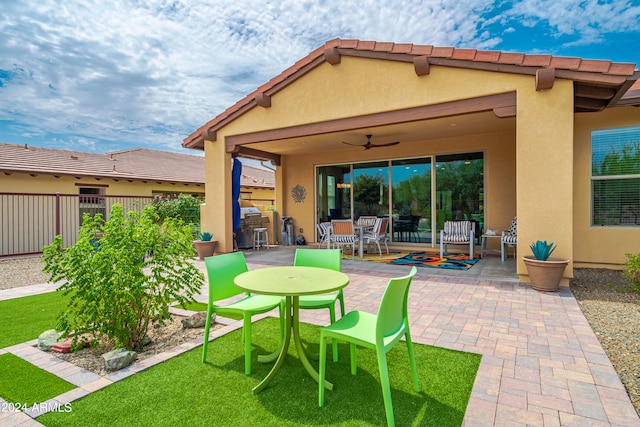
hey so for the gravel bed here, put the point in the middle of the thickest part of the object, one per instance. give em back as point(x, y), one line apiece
point(605, 296)
point(612, 308)
point(21, 271)
point(163, 338)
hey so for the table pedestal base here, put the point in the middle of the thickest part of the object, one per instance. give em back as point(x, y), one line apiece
point(291, 323)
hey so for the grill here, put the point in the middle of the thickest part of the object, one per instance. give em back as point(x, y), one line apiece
point(250, 219)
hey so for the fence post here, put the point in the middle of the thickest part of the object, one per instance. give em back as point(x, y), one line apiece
point(58, 231)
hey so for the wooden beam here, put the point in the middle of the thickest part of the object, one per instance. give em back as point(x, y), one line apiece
point(584, 91)
point(263, 100)
point(426, 112)
point(331, 55)
point(252, 153)
point(421, 65)
point(208, 134)
point(504, 112)
point(589, 104)
point(545, 77)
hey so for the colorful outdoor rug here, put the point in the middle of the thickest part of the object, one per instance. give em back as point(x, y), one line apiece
point(423, 259)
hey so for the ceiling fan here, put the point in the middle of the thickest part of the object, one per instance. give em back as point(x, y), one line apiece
point(370, 145)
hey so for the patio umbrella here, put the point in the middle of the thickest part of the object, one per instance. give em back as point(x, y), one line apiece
point(235, 192)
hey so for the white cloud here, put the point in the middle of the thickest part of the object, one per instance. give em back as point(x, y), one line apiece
point(149, 72)
point(589, 21)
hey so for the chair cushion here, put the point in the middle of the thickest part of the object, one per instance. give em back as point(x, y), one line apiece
point(507, 238)
point(457, 231)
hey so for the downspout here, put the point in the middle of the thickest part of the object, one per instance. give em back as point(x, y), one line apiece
point(265, 166)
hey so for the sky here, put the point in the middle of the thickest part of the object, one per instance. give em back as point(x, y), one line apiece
point(101, 76)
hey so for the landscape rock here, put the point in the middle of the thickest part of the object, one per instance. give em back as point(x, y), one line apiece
point(118, 358)
point(197, 320)
point(48, 339)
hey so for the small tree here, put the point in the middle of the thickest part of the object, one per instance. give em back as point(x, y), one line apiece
point(124, 279)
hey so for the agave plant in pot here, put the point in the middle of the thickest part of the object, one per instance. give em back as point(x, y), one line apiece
point(205, 246)
point(545, 273)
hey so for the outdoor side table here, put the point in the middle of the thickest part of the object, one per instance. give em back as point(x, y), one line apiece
point(360, 231)
point(483, 247)
point(291, 282)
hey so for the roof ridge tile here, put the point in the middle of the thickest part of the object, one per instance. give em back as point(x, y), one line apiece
point(514, 58)
point(464, 54)
point(442, 51)
point(536, 60)
point(402, 48)
point(595, 65)
point(422, 49)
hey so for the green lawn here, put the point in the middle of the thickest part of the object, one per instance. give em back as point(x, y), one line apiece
point(24, 319)
point(184, 391)
point(24, 384)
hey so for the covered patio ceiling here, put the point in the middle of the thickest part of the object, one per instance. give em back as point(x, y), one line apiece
point(448, 127)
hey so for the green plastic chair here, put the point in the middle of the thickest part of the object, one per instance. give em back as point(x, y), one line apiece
point(380, 332)
point(331, 259)
point(221, 271)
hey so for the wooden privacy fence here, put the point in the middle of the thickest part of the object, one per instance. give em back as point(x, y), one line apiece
point(30, 221)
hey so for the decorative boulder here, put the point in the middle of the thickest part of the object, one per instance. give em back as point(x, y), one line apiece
point(118, 359)
point(48, 339)
point(197, 320)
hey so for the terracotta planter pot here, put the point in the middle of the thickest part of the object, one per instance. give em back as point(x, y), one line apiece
point(206, 248)
point(545, 276)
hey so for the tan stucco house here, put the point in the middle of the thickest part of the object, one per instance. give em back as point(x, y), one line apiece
point(536, 131)
point(34, 179)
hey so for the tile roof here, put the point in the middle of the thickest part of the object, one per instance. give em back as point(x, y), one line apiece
point(139, 164)
point(596, 77)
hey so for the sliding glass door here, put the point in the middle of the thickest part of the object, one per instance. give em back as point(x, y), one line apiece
point(460, 189)
point(418, 194)
point(371, 189)
point(411, 215)
point(334, 192)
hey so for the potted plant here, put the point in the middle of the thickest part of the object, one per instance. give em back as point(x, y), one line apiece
point(205, 246)
point(544, 273)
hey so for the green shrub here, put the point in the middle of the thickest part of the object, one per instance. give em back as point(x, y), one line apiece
point(172, 206)
point(126, 278)
point(633, 270)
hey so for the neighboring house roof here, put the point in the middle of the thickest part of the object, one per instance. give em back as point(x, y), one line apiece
point(597, 83)
point(257, 178)
point(138, 164)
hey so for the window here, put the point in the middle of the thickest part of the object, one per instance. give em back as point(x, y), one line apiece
point(615, 177)
point(92, 201)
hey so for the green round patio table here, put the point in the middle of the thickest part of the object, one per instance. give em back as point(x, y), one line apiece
point(291, 282)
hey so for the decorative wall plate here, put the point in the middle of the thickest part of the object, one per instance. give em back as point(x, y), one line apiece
point(298, 193)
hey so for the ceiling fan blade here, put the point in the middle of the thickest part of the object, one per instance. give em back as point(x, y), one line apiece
point(386, 145)
point(369, 144)
point(355, 145)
